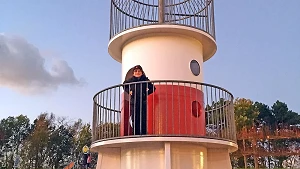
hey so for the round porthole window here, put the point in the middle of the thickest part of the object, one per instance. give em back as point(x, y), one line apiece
point(195, 67)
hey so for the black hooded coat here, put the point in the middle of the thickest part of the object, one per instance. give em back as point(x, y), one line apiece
point(138, 101)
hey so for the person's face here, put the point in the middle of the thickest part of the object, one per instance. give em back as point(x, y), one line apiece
point(137, 73)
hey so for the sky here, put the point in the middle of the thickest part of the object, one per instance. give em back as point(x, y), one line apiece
point(54, 58)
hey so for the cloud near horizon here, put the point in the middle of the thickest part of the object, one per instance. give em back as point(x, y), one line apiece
point(23, 68)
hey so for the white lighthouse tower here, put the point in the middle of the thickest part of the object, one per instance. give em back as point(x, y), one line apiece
point(190, 124)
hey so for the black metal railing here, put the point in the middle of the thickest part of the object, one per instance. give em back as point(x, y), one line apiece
point(164, 108)
point(126, 14)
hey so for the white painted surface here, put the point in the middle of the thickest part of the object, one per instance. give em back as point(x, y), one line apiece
point(168, 155)
point(164, 57)
point(185, 156)
point(163, 155)
point(218, 159)
point(143, 156)
point(208, 143)
point(109, 158)
point(116, 44)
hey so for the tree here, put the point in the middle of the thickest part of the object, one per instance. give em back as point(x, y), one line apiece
point(107, 130)
point(14, 130)
point(266, 115)
point(218, 117)
point(83, 138)
point(280, 110)
point(49, 142)
point(270, 129)
point(284, 116)
point(35, 152)
point(60, 145)
point(245, 113)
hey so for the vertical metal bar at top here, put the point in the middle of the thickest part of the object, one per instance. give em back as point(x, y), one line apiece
point(161, 11)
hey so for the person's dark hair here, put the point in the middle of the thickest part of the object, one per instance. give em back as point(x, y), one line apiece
point(138, 67)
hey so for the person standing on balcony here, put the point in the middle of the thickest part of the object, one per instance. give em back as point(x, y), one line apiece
point(138, 93)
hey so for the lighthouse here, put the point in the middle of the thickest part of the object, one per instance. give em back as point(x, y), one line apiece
point(189, 124)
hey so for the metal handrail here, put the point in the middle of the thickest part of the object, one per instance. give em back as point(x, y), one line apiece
point(155, 81)
point(175, 108)
point(164, 81)
point(127, 14)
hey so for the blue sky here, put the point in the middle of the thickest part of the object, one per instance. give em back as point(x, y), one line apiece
point(258, 52)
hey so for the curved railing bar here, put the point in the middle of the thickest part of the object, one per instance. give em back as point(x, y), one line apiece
point(144, 3)
point(227, 101)
point(128, 14)
point(176, 4)
point(190, 15)
point(168, 21)
point(166, 81)
point(185, 1)
point(219, 123)
point(119, 111)
point(125, 13)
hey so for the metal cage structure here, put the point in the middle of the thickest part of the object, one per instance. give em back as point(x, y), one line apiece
point(127, 14)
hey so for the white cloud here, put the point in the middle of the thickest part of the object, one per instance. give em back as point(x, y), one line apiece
point(23, 68)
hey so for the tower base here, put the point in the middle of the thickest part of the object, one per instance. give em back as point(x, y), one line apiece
point(164, 153)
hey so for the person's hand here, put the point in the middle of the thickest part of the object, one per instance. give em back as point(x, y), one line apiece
point(130, 92)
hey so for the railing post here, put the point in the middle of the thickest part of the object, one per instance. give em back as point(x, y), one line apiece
point(161, 11)
point(94, 128)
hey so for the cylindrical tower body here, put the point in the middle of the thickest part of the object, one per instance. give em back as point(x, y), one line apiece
point(164, 56)
point(168, 52)
point(171, 40)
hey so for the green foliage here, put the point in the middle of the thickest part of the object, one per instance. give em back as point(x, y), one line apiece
point(53, 142)
point(107, 130)
point(13, 132)
point(82, 137)
point(283, 115)
point(49, 142)
point(214, 111)
point(245, 113)
point(61, 142)
point(265, 114)
point(259, 116)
